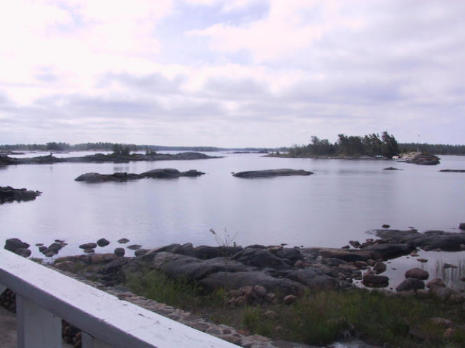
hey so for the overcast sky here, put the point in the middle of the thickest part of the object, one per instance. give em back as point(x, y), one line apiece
point(231, 72)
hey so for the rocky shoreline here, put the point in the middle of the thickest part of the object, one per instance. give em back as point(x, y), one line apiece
point(10, 194)
point(166, 173)
point(101, 158)
point(258, 275)
point(277, 268)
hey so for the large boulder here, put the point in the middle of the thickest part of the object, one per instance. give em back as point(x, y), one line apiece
point(261, 258)
point(387, 251)
point(313, 279)
point(411, 284)
point(417, 273)
point(236, 280)
point(375, 281)
point(13, 244)
point(191, 268)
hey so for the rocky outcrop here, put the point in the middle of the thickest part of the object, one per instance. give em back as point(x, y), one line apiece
point(421, 158)
point(10, 194)
point(429, 240)
point(166, 173)
point(270, 173)
point(452, 170)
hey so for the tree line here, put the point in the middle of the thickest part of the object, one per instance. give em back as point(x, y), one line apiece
point(369, 145)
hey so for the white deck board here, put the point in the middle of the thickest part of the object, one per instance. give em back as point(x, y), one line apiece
point(104, 316)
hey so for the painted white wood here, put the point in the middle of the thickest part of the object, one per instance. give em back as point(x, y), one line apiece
point(35, 326)
point(101, 315)
point(87, 341)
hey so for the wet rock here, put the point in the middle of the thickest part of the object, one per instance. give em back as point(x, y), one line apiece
point(390, 168)
point(379, 267)
point(123, 241)
point(436, 282)
point(417, 273)
point(387, 251)
point(355, 244)
point(103, 242)
point(89, 251)
point(422, 260)
point(120, 252)
point(141, 252)
point(134, 247)
point(375, 281)
point(23, 252)
point(411, 284)
point(361, 264)
point(88, 246)
point(385, 226)
point(271, 173)
point(13, 244)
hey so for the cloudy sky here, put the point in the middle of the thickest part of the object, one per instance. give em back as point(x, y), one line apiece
point(231, 72)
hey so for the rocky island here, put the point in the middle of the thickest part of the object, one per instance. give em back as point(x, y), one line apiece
point(101, 158)
point(166, 173)
point(269, 173)
point(10, 194)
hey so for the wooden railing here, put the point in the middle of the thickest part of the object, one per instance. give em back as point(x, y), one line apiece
point(44, 297)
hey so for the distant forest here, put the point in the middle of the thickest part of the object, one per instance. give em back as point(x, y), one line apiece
point(101, 146)
point(370, 145)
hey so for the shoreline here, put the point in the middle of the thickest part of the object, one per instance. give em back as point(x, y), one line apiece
point(244, 288)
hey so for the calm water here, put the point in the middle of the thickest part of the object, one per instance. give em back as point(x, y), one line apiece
point(340, 202)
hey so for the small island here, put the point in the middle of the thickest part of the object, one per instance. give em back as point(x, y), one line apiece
point(166, 173)
point(122, 156)
point(269, 173)
point(10, 194)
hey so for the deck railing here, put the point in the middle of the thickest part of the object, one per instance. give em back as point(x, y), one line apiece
point(44, 297)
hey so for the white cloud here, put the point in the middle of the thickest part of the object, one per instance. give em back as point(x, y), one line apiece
point(300, 66)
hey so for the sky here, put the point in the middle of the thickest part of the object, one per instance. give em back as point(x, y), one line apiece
point(262, 73)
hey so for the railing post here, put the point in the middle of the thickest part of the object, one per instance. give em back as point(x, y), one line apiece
point(87, 341)
point(36, 327)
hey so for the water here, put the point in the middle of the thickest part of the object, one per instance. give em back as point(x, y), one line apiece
point(340, 202)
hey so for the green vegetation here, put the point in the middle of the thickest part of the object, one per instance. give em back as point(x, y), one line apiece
point(369, 145)
point(318, 318)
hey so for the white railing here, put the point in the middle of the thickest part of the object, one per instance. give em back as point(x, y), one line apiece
point(44, 297)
